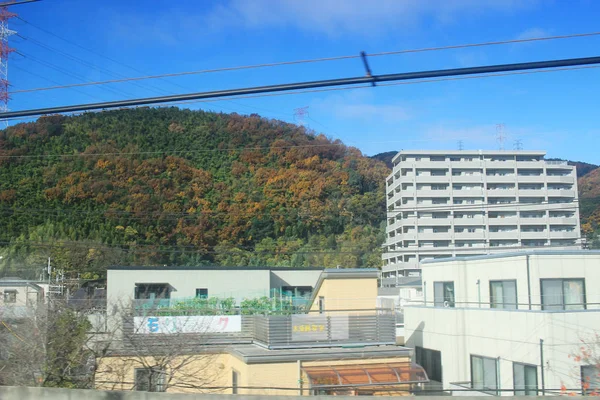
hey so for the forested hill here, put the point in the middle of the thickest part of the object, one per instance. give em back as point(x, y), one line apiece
point(180, 187)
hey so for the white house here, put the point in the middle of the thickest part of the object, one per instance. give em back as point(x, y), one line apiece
point(509, 323)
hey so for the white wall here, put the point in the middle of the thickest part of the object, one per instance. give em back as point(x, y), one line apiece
point(472, 328)
point(511, 335)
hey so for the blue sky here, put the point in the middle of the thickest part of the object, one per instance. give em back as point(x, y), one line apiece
point(555, 111)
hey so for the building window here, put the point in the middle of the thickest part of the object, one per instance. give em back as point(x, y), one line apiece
point(443, 294)
point(152, 291)
point(590, 380)
point(202, 293)
point(235, 378)
point(150, 380)
point(10, 296)
point(484, 374)
point(525, 379)
point(563, 294)
point(503, 294)
point(431, 361)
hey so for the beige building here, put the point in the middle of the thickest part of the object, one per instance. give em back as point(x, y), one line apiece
point(341, 344)
point(18, 297)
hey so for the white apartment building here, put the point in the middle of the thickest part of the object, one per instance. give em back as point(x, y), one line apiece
point(461, 203)
point(509, 324)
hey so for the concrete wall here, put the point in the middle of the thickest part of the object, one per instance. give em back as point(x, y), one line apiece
point(465, 273)
point(25, 294)
point(27, 393)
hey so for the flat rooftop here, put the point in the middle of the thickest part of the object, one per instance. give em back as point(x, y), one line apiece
point(209, 268)
point(516, 254)
point(254, 354)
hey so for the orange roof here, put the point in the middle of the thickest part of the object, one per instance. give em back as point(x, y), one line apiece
point(365, 374)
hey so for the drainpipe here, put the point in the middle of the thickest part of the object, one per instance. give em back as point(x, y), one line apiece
point(542, 366)
point(300, 378)
point(479, 292)
point(528, 283)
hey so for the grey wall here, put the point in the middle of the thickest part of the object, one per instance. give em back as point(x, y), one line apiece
point(26, 393)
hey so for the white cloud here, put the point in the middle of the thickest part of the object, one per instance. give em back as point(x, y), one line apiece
point(334, 18)
point(361, 106)
point(532, 33)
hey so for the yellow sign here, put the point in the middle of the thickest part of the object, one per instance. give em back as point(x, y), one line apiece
point(308, 328)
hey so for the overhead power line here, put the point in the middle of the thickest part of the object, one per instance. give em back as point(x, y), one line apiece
point(373, 80)
point(306, 61)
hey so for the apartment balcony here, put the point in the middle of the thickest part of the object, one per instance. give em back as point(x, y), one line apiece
point(392, 227)
point(500, 178)
point(427, 221)
point(532, 192)
point(572, 221)
point(433, 193)
point(564, 234)
point(503, 221)
point(468, 178)
point(468, 192)
point(561, 193)
point(410, 221)
point(407, 236)
point(532, 221)
point(534, 235)
point(568, 179)
point(503, 235)
point(509, 164)
point(431, 164)
point(470, 221)
point(433, 179)
point(467, 164)
point(406, 178)
point(436, 235)
point(530, 178)
point(469, 235)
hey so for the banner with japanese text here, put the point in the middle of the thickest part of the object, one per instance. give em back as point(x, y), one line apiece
point(188, 324)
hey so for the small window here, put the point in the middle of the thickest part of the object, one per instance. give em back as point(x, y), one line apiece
point(152, 291)
point(431, 361)
point(443, 294)
point(503, 294)
point(10, 296)
point(150, 380)
point(235, 378)
point(563, 294)
point(321, 304)
point(525, 380)
point(484, 374)
point(590, 380)
point(202, 293)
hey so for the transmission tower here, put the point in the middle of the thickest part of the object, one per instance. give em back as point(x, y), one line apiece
point(518, 145)
point(460, 145)
point(500, 137)
point(5, 50)
point(300, 114)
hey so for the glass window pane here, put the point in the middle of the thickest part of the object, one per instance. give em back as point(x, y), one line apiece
point(590, 375)
point(573, 290)
point(438, 294)
point(449, 294)
point(519, 379)
point(496, 295)
point(509, 297)
point(477, 372)
point(552, 294)
point(530, 380)
point(489, 373)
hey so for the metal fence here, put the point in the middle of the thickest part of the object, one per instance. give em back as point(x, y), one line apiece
point(308, 330)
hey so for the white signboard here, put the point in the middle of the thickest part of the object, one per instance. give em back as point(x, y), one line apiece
point(191, 324)
point(319, 327)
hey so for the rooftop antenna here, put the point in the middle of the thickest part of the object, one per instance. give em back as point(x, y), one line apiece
point(500, 137)
point(518, 145)
point(300, 114)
